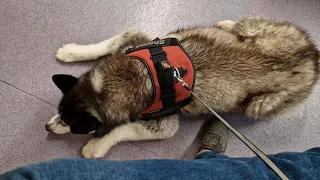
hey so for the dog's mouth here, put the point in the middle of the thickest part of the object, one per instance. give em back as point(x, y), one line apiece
point(60, 130)
point(57, 129)
point(57, 126)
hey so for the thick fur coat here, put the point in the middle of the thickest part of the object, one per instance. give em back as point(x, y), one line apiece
point(259, 67)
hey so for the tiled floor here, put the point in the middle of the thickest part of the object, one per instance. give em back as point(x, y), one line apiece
point(31, 31)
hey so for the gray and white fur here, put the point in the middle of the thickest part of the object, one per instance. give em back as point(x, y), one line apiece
point(256, 66)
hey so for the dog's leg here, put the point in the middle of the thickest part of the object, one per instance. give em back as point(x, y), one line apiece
point(116, 44)
point(141, 130)
point(272, 104)
point(248, 27)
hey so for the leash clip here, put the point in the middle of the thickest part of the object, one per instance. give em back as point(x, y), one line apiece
point(177, 78)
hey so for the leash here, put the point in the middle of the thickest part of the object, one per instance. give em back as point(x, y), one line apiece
point(251, 146)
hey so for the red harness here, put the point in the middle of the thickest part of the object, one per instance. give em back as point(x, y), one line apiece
point(165, 59)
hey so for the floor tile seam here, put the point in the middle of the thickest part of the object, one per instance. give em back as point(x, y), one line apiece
point(19, 89)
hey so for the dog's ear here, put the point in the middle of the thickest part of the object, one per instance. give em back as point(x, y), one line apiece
point(84, 126)
point(64, 82)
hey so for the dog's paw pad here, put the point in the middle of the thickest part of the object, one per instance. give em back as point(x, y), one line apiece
point(69, 53)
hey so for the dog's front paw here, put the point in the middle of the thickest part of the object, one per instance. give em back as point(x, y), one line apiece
point(226, 24)
point(96, 148)
point(70, 53)
point(88, 149)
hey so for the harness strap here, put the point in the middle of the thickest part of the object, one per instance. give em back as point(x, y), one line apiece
point(165, 59)
point(164, 74)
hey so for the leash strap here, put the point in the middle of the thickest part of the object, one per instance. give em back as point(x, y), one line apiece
point(253, 148)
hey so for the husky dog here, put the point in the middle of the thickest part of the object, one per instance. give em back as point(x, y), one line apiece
point(256, 66)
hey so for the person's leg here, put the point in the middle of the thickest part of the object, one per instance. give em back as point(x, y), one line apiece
point(208, 165)
point(304, 165)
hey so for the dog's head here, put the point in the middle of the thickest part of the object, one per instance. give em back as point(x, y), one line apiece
point(74, 115)
point(111, 94)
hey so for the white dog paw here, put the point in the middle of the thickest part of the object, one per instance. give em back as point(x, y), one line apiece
point(89, 148)
point(96, 148)
point(70, 53)
point(226, 24)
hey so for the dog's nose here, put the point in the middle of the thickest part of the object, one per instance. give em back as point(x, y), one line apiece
point(47, 127)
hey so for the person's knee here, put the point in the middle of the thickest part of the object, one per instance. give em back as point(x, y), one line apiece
point(314, 150)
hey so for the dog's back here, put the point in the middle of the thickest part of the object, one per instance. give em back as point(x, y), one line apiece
point(255, 65)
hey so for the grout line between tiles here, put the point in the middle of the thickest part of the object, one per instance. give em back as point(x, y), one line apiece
point(28, 93)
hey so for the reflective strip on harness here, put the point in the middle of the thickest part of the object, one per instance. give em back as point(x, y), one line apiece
point(160, 56)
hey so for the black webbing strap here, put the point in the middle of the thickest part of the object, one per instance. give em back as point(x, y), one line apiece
point(167, 111)
point(164, 74)
point(153, 44)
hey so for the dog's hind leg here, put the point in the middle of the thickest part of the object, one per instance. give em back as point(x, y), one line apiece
point(272, 104)
point(116, 44)
point(262, 105)
point(141, 130)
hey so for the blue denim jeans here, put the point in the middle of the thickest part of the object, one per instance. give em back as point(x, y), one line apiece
point(208, 165)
